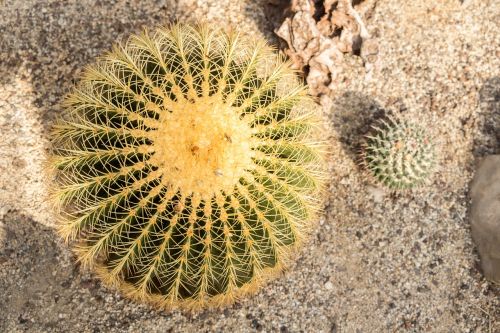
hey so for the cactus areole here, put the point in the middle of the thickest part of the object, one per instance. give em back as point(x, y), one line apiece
point(186, 166)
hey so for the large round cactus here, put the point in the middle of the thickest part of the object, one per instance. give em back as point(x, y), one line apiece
point(399, 154)
point(186, 166)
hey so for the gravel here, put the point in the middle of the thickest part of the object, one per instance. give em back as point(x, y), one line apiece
point(377, 262)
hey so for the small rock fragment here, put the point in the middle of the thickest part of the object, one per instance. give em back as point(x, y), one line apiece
point(376, 193)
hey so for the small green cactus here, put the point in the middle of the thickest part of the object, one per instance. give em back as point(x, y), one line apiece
point(187, 168)
point(399, 154)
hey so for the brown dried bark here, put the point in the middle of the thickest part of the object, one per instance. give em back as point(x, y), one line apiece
point(318, 34)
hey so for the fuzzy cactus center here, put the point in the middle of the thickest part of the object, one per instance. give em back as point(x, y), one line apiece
point(202, 147)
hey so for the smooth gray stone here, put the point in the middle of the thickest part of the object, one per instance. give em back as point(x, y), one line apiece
point(485, 215)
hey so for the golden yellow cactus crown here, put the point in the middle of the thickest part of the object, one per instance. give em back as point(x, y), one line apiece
point(186, 166)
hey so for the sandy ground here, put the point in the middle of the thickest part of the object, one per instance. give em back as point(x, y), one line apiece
point(378, 261)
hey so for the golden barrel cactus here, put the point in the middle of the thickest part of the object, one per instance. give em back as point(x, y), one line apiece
point(186, 166)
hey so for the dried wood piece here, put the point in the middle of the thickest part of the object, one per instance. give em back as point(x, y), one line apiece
point(319, 32)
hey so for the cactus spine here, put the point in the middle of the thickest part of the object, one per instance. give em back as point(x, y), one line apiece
point(399, 154)
point(186, 166)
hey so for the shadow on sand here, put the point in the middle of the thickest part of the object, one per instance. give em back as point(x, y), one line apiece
point(488, 141)
point(352, 116)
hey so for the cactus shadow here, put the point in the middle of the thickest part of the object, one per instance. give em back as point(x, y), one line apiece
point(42, 290)
point(273, 15)
point(33, 274)
point(487, 140)
point(352, 115)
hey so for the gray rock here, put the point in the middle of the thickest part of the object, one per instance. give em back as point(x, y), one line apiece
point(485, 215)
